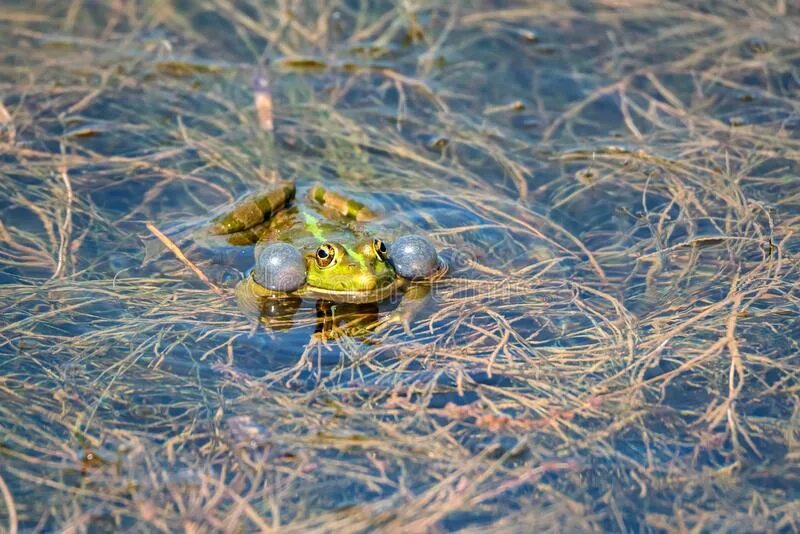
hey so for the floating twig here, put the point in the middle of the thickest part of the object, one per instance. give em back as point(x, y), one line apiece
point(10, 506)
point(182, 257)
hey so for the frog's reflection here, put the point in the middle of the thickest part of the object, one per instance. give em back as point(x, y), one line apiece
point(335, 319)
point(332, 319)
point(278, 314)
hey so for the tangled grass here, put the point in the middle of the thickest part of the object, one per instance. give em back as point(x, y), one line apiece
point(615, 183)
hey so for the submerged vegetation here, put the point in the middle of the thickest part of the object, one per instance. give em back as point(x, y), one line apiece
point(615, 347)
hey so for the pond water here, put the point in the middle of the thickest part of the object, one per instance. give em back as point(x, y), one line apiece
point(614, 184)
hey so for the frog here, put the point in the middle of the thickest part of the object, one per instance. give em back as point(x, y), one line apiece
point(325, 246)
point(311, 242)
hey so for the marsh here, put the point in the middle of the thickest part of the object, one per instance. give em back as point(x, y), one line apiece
point(613, 185)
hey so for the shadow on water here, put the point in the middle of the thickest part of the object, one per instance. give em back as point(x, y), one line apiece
point(614, 186)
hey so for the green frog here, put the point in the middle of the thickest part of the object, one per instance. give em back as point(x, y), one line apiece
point(324, 246)
point(320, 245)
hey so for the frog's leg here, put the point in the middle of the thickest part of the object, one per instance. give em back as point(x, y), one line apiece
point(414, 299)
point(335, 320)
point(275, 313)
point(253, 210)
point(344, 206)
point(327, 328)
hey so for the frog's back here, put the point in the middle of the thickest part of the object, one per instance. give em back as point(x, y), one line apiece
point(307, 224)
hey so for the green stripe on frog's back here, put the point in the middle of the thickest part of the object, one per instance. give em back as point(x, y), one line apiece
point(342, 205)
point(357, 256)
point(253, 210)
point(313, 228)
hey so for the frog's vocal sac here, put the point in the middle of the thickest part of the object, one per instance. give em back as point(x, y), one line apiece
point(322, 247)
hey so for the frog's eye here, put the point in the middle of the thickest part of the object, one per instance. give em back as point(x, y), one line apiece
point(380, 249)
point(325, 255)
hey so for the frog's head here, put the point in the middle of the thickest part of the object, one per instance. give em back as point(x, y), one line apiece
point(364, 271)
point(363, 266)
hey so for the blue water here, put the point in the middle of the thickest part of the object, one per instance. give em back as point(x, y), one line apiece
point(614, 186)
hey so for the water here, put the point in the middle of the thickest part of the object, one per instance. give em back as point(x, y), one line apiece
point(614, 185)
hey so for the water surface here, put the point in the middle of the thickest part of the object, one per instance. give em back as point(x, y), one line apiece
point(615, 185)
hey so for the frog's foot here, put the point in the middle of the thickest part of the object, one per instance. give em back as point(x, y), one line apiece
point(397, 317)
point(331, 334)
point(414, 300)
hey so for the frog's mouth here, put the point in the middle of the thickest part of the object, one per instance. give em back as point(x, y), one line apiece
point(352, 296)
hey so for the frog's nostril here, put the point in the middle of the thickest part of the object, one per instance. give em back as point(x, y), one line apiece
point(280, 267)
point(413, 257)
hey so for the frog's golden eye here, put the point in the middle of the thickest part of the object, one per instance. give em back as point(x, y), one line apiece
point(325, 255)
point(380, 249)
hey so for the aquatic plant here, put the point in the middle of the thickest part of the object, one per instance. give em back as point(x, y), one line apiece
point(614, 182)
